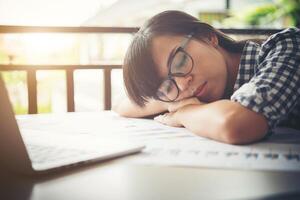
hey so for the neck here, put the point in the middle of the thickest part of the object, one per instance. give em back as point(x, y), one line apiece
point(232, 62)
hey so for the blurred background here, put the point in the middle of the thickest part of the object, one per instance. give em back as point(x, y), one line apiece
point(95, 48)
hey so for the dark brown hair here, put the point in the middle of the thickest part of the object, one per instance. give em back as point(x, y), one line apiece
point(140, 76)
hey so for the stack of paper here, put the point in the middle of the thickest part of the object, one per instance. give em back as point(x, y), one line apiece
point(176, 146)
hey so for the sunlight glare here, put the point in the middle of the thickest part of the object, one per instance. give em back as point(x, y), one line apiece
point(38, 45)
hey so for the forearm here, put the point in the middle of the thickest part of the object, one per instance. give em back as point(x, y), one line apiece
point(224, 121)
point(127, 108)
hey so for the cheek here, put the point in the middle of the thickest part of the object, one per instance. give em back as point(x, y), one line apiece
point(219, 77)
point(185, 94)
point(212, 69)
point(211, 66)
point(220, 67)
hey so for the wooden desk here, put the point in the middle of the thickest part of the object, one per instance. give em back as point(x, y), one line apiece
point(117, 180)
point(120, 179)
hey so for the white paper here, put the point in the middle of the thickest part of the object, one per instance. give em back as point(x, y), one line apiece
point(174, 146)
point(205, 153)
point(99, 123)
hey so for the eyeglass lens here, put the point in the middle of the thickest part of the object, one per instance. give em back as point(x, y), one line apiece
point(181, 65)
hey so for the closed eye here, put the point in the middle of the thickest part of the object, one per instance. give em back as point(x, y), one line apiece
point(171, 55)
point(182, 61)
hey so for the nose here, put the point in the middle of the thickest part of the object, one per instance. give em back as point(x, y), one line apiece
point(183, 82)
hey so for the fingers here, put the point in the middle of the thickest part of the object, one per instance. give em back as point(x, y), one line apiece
point(174, 106)
point(160, 118)
point(164, 118)
point(167, 119)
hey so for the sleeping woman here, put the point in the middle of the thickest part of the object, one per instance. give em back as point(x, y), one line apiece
point(189, 74)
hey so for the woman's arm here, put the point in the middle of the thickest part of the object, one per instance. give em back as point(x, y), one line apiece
point(223, 120)
point(127, 108)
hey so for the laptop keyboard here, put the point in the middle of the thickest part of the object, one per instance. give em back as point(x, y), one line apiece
point(46, 154)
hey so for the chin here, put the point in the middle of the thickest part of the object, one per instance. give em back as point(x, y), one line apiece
point(204, 99)
point(213, 97)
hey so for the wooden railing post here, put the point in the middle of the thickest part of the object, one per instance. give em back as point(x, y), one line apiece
point(107, 88)
point(32, 91)
point(70, 90)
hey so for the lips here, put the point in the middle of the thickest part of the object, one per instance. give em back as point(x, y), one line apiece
point(200, 90)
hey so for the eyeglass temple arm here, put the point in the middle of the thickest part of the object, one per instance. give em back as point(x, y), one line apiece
point(186, 40)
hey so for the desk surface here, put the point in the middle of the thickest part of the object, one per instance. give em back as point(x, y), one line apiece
point(119, 179)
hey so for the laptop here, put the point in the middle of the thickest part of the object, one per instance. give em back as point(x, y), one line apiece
point(42, 155)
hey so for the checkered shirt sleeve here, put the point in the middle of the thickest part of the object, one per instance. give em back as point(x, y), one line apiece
point(274, 89)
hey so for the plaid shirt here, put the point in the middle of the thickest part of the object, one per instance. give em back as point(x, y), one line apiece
point(268, 80)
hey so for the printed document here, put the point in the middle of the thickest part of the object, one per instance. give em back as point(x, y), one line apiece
point(176, 146)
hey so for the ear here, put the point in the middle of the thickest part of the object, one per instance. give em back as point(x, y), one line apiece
point(214, 40)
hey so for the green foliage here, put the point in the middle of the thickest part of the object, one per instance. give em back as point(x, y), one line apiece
point(280, 13)
point(292, 9)
point(260, 15)
point(286, 10)
point(20, 109)
point(3, 57)
point(14, 80)
point(14, 77)
point(45, 108)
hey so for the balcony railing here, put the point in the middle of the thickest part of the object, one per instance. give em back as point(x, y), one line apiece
point(31, 70)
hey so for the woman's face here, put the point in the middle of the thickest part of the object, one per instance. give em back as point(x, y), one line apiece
point(207, 80)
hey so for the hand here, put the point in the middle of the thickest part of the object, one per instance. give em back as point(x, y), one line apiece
point(174, 106)
point(168, 119)
point(171, 118)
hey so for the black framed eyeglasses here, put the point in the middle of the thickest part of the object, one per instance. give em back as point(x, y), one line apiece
point(180, 65)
